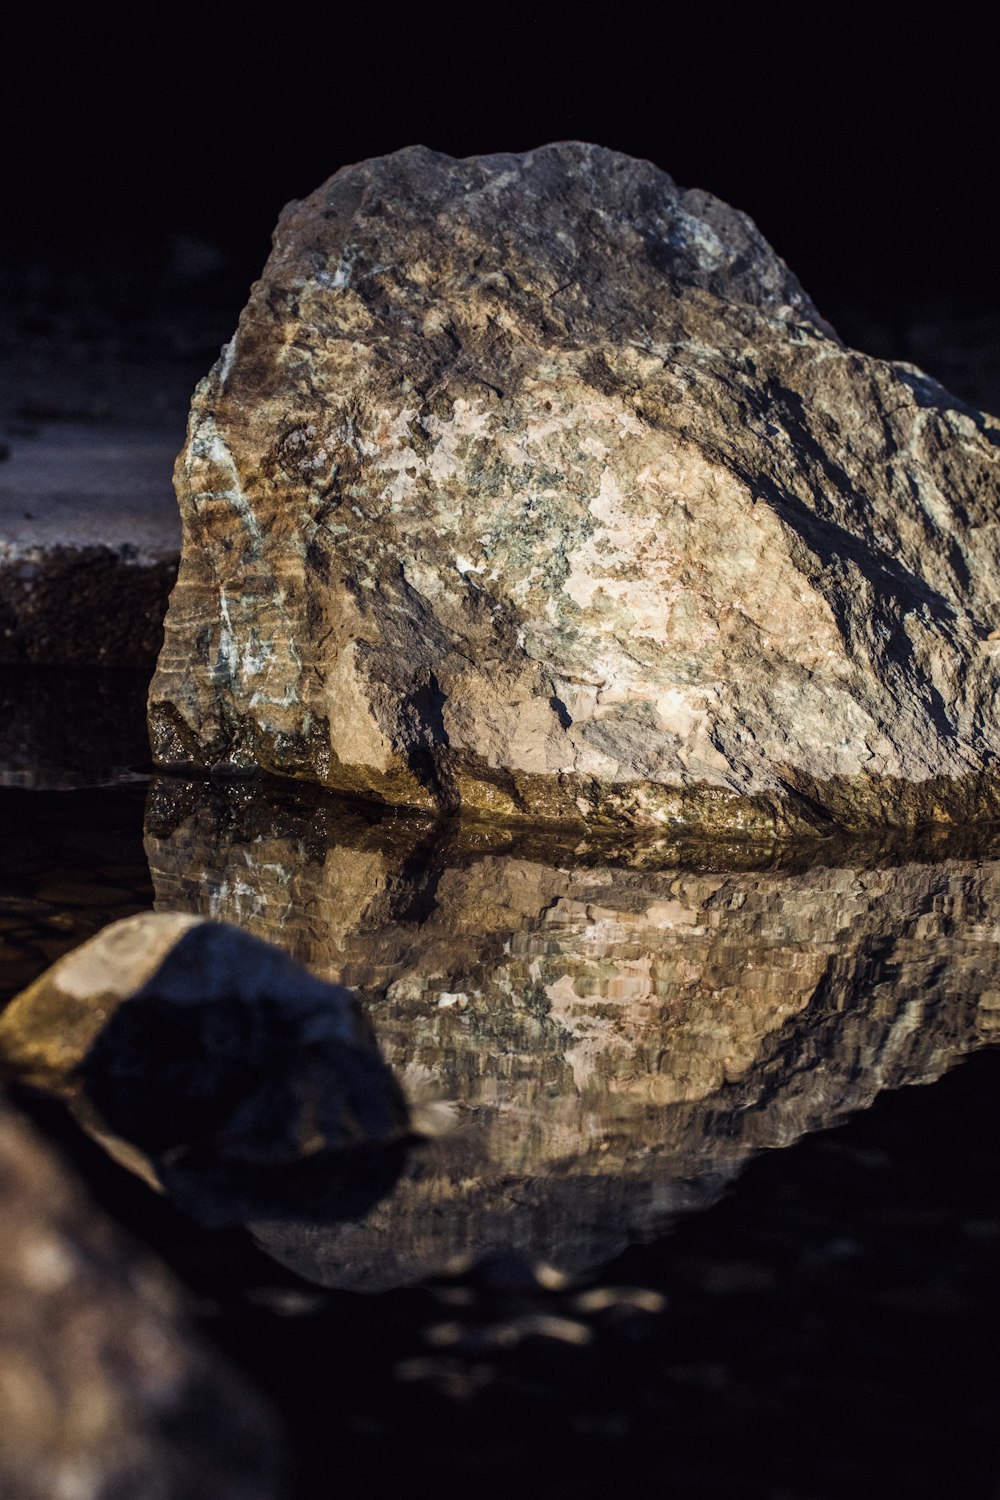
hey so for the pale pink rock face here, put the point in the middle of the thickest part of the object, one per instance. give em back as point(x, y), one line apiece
point(534, 486)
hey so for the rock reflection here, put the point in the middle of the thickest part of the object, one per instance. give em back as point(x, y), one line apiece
point(616, 1041)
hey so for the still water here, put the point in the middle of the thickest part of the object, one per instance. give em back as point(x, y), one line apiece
point(600, 1259)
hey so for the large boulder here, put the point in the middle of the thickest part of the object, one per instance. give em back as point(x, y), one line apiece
point(536, 486)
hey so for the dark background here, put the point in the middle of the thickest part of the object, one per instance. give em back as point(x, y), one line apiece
point(865, 149)
point(143, 161)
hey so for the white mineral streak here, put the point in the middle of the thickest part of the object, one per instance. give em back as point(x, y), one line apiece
point(535, 486)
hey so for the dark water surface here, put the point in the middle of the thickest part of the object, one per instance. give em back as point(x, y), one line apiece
point(601, 1267)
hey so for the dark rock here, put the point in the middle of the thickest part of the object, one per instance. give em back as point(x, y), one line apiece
point(215, 1065)
point(103, 1390)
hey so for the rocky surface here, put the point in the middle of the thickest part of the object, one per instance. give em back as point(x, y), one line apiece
point(536, 486)
point(609, 1044)
point(103, 1391)
point(215, 1066)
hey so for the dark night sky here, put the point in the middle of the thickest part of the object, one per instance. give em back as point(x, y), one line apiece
point(868, 157)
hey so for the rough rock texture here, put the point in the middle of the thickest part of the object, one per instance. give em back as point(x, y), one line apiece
point(614, 1043)
point(103, 1392)
point(534, 485)
point(214, 1065)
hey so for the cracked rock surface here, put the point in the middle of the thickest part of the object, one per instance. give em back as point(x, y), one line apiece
point(535, 486)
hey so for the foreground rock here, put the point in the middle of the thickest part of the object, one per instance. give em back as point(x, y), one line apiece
point(613, 1043)
point(103, 1392)
point(215, 1066)
point(533, 485)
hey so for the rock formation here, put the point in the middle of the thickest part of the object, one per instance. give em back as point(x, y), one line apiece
point(103, 1390)
point(536, 486)
point(613, 1043)
point(211, 1063)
